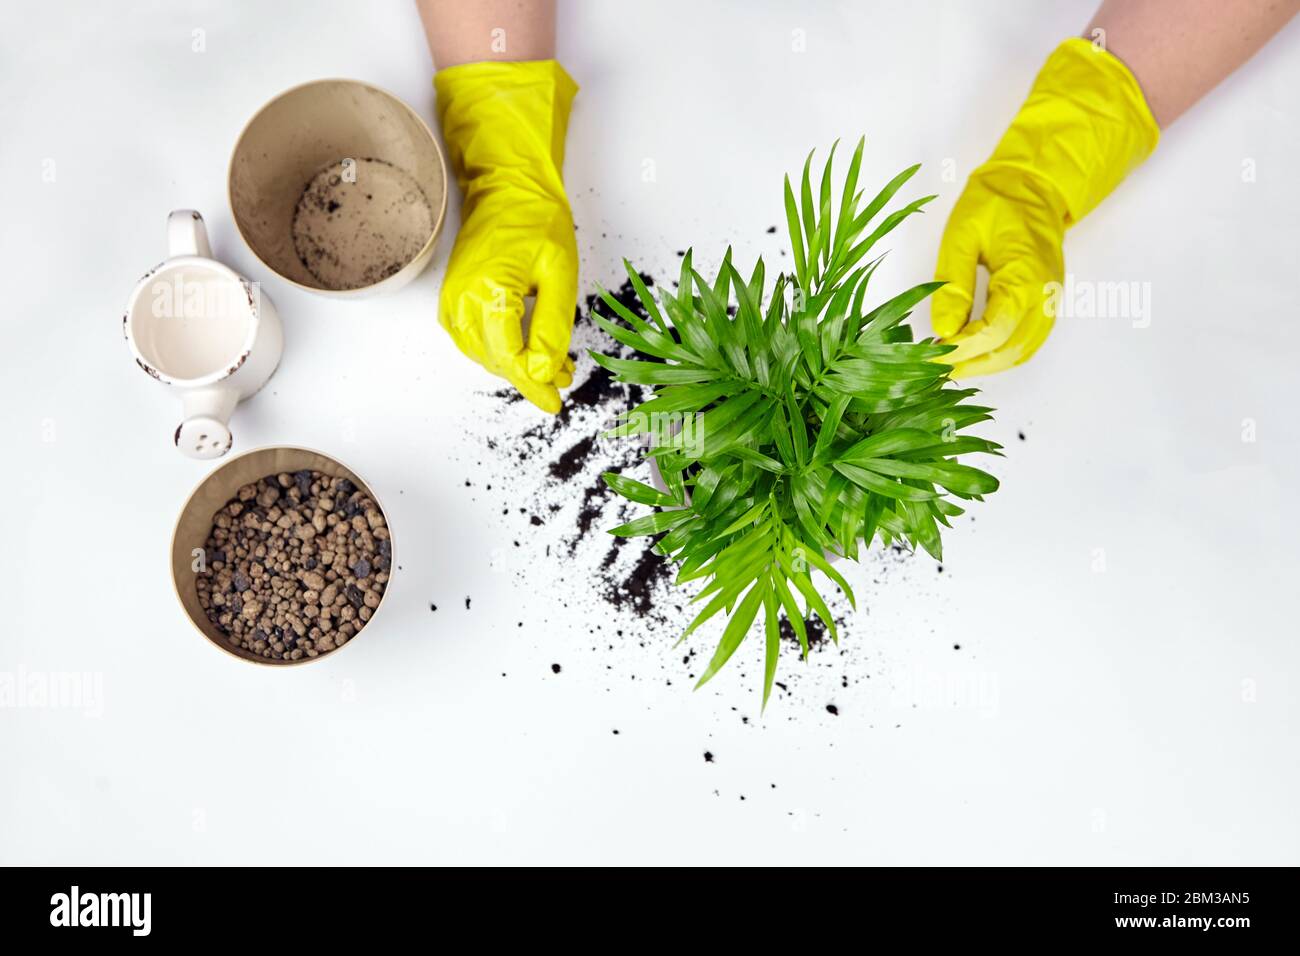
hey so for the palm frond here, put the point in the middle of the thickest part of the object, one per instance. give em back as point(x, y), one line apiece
point(792, 424)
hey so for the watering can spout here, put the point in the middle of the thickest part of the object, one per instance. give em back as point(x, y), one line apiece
point(205, 430)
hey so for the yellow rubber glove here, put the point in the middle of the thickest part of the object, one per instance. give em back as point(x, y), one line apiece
point(1084, 127)
point(504, 124)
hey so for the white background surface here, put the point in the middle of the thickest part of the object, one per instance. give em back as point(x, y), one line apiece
point(1146, 713)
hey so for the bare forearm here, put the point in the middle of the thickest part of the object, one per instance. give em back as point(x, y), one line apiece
point(1179, 50)
point(468, 31)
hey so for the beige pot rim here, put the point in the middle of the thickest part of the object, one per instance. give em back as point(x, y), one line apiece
point(222, 645)
point(425, 253)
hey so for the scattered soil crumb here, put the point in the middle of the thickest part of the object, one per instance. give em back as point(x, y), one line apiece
point(617, 595)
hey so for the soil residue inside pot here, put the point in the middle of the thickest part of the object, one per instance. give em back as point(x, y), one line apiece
point(360, 221)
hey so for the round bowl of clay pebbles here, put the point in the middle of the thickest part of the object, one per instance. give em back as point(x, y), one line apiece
point(282, 556)
point(340, 187)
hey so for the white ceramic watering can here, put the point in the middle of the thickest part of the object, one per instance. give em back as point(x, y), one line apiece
point(204, 332)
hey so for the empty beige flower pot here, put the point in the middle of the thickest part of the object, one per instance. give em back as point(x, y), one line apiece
point(189, 540)
point(339, 187)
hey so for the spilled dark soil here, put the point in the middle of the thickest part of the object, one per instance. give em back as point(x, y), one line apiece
point(629, 575)
point(548, 470)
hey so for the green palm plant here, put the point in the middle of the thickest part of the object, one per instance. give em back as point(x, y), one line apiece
point(791, 425)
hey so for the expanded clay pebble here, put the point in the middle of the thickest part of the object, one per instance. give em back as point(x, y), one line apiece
point(296, 565)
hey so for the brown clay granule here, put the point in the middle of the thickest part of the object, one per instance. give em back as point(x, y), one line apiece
point(295, 565)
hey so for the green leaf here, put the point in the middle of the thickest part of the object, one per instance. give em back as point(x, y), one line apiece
point(772, 628)
point(737, 629)
point(683, 398)
point(871, 481)
point(830, 425)
point(825, 567)
point(848, 197)
point(636, 491)
point(694, 332)
point(746, 519)
point(653, 373)
point(647, 300)
point(886, 194)
point(658, 346)
point(684, 289)
point(781, 434)
point(809, 213)
point(798, 429)
point(652, 523)
point(792, 612)
point(886, 315)
point(823, 243)
point(836, 484)
point(871, 517)
point(959, 479)
point(924, 530)
point(796, 237)
point(805, 586)
point(758, 459)
point(854, 255)
point(747, 305)
point(707, 483)
point(888, 443)
point(958, 445)
point(805, 325)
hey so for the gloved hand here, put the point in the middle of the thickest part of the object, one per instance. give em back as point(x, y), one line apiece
point(1084, 126)
point(504, 125)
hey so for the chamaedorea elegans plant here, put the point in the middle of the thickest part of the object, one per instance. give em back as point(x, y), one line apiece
point(791, 424)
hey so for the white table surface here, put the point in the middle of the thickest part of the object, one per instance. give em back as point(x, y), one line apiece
point(1126, 686)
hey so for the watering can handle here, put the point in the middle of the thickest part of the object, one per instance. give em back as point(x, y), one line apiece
point(186, 234)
